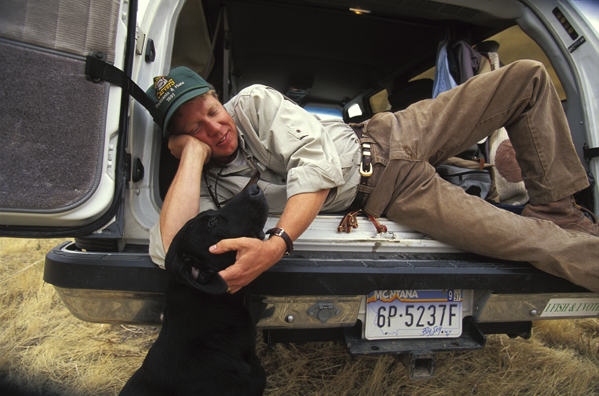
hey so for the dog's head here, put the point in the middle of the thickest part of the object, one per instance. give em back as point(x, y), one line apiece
point(188, 260)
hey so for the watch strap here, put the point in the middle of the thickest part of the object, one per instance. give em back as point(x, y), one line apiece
point(281, 233)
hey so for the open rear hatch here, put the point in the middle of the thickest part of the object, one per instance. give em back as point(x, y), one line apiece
point(59, 143)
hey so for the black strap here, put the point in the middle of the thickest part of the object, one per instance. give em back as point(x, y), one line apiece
point(590, 152)
point(96, 69)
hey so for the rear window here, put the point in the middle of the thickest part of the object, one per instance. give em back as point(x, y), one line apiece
point(514, 44)
point(380, 101)
point(324, 111)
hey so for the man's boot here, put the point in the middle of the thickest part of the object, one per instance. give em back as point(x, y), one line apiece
point(565, 213)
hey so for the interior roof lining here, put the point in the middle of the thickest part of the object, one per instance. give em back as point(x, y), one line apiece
point(295, 39)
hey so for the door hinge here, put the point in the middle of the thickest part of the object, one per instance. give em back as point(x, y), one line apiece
point(590, 152)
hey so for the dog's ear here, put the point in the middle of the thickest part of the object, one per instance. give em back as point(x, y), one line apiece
point(192, 272)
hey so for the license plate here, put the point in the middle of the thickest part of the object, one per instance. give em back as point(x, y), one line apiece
point(414, 314)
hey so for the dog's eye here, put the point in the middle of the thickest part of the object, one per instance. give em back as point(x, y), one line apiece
point(211, 223)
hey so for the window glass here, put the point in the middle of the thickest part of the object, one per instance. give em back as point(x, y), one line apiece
point(354, 111)
point(380, 102)
point(514, 44)
point(323, 111)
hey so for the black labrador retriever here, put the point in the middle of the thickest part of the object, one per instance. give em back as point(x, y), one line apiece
point(207, 344)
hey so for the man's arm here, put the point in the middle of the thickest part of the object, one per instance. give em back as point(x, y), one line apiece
point(255, 256)
point(182, 202)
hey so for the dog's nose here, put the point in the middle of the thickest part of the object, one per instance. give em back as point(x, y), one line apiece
point(254, 190)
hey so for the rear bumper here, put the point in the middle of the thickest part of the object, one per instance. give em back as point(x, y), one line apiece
point(128, 288)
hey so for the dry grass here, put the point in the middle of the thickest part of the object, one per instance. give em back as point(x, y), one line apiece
point(45, 350)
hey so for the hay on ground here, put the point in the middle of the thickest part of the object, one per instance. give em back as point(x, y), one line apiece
point(45, 350)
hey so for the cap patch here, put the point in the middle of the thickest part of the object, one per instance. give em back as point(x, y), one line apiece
point(165, 89)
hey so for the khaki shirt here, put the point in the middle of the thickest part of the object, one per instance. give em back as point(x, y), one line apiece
point(295, 152)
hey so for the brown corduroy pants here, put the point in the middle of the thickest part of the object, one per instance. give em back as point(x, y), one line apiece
point(522, 98)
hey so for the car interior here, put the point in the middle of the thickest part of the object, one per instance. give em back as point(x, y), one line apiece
point(329, 55)
point(348, 58)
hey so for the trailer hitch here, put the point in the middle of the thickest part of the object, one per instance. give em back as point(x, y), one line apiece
point(420, 364)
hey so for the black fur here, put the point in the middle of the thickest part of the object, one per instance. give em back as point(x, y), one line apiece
point(207, 344)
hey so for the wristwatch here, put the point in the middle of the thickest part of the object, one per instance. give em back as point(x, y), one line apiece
point(281, 233)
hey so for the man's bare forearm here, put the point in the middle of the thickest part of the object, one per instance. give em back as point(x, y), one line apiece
point(300, 211)
point(182, 202)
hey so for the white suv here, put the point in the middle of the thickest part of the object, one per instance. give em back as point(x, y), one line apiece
point(79, 157)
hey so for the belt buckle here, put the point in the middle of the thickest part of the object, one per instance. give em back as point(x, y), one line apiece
point(363, 172)
point(365, 153)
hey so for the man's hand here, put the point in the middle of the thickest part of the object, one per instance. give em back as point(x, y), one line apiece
point(253, 258)
point(177, 143)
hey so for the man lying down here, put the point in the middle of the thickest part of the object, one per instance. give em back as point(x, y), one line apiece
point(306, 166)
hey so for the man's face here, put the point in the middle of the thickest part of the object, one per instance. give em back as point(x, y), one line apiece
point(207, 120)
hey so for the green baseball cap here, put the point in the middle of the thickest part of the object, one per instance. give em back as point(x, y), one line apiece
point(169, 92)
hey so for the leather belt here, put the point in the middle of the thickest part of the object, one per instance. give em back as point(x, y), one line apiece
point(366, 167)
point(350, 220)
point(366, 163)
